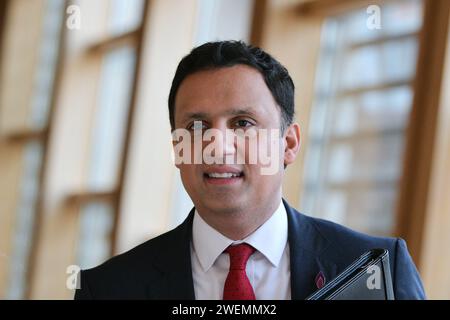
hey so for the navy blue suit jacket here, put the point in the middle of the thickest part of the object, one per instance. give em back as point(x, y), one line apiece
point(161, 267)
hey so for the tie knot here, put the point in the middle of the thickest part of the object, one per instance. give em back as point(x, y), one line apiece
point(239, 255)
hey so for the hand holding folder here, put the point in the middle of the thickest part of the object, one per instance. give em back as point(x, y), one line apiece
point(367, 278)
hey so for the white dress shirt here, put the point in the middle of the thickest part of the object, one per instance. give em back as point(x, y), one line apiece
point(268, 269)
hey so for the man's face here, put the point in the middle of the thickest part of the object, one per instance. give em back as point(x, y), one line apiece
point(230, 98)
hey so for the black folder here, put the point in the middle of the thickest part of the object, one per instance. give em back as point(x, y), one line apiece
point(367, 278)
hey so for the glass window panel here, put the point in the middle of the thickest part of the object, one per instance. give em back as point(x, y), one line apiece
point(353, 25)
point(385, 109)
point(125, 15)
point(327, 54)
point(319, 119)
point(345, 122)
point(370, 210)
point(40, 102)
point(46, 68)
point(313, 172)
point(397, 18)
point(340, 164)
point(362, 68)
point(373, 110)
point(398, 59)
point(335, 208)
point(402, 17)
point(376, 64)
point(371, 158)
point(96, 227)
point(25, 218)
point(111, 118)
point(308, 204)
point(356, 130)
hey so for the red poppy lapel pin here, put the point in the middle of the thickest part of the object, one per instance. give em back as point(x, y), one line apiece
point(320, 280)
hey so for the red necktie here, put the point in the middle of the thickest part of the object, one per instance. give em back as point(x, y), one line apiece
point(237, 286)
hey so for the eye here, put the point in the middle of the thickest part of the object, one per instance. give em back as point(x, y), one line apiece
point(242, 123)
point(197, 125)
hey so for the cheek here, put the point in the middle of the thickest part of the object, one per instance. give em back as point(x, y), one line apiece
point(188, 174)
point(261, 187)
point(271, 156)
point(259, 150)
point(264, 181)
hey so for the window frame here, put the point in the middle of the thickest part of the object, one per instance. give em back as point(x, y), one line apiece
point(309, 16)
point(113, 197)
point(22, 137)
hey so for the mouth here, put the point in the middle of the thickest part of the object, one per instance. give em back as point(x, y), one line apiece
point(223, 178)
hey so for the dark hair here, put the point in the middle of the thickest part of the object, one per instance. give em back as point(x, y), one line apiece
point(221, 54)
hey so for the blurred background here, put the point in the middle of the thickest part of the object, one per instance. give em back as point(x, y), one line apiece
point(85, 144)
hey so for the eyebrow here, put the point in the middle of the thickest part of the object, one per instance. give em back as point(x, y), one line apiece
point(204, 115)
point(239, 112)
point(194, 115)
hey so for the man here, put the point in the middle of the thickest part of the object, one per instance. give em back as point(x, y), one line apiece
point(242, 240)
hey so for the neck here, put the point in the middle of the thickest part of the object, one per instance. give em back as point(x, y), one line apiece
point(240, 224)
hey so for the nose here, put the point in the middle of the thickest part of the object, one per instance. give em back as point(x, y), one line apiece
point(223, 148)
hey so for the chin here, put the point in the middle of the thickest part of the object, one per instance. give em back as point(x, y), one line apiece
point(224, 206)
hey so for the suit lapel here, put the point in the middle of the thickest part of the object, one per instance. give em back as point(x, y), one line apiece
point(307, 249)
point(307, 259)
point(174, 263)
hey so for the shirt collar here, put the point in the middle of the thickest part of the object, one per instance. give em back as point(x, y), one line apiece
point(269, 239)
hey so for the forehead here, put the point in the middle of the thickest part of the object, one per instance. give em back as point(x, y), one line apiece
point(220, 91)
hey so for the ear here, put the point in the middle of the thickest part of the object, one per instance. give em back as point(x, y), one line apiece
point(292, 143)
point(174, 143)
